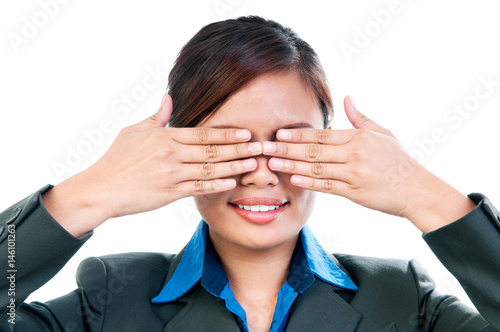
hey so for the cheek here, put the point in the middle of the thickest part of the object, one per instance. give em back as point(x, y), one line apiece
point(305, 200)
point(208, 203)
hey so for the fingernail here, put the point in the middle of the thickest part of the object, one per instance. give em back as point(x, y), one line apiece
point(228, 183)
point(249, 164)
point(163, 100)
point(269, 147)
point(255, 147)
point(284, 134)
point(243, 134)
point(276, 163)
point(298, 180)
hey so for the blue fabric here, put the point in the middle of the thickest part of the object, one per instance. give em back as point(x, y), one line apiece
point(200, 263)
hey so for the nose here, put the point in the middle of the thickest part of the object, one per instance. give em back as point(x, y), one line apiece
point(262, 176)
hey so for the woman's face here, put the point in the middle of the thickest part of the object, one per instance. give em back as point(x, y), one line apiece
point(267, 104)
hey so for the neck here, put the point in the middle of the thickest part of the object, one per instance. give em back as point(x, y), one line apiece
point(254, 273)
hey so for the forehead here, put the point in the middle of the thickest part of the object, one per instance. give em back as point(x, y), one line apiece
point(269, 102)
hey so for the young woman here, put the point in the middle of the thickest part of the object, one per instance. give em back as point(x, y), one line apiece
point(248, 110)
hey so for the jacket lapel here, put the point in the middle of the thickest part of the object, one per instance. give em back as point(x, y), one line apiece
point(320, 308)
point(202, 312)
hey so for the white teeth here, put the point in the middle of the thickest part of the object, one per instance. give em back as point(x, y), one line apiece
point(259, 208)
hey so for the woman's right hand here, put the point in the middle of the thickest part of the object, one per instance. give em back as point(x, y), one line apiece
point(149, 166)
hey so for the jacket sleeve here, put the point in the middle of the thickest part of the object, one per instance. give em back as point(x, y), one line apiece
point(33, 248)
point(470, 249)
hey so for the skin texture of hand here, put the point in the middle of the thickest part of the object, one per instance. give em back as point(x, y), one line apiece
point(368, 166)
point(149, 166)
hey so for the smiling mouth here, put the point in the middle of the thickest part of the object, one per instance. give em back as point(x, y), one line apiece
point(259, 208)
point(259, 214)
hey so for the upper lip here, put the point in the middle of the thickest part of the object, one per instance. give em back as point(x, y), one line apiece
point(259, 201)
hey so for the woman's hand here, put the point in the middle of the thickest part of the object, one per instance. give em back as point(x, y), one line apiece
point(368, 166)
point(149, 166)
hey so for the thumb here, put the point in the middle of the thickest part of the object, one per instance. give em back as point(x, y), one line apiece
point(359, 120)
point(160, 118)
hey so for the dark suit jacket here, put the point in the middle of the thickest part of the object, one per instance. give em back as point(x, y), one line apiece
point(114, 292)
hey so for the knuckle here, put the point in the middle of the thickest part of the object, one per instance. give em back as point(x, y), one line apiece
point(328, 185)
point(318, 168)
point(322, 136)
point(364, 134)
point(358, 155)
point(202, 135)
point(199, 186)
point(156, 136)
point(241, 148)
point(234, 166)
point(298, 135)
point(284, 149)
point(208, 169)
point(364, 118)
point(155, 117)
point(359, 172)
point(167, 153)
point(228, 136)
point(211, 151)
point(313, 151)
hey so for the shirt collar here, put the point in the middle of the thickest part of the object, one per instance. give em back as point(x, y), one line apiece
point(200, 262)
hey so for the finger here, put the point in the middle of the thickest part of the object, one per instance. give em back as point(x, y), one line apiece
point(359, 120)
point(202, 135)
point(328, 186)
point(310, 152)
point(210, 171)
point(199, 187)
point(319, 136)
point(316, 170)
point(159, 119)
point(216, 153)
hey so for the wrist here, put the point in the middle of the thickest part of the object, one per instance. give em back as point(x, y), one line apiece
point(437, 204)
point(75, 205)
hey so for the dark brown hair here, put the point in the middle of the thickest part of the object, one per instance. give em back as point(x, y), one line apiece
point(225, 56)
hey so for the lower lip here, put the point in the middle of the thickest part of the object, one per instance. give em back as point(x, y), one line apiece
point(259, 217)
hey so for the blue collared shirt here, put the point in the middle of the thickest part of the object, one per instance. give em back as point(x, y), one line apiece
point(201, 263)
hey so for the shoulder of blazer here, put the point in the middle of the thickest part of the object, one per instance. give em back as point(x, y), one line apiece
point(119, 286)
point(392, 283)
point(124, 269)
point(391, 291)
point(365, 270)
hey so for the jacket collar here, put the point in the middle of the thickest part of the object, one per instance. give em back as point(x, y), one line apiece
point(190, 269)
point(320, 306)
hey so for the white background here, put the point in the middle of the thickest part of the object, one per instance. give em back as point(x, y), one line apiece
point(71, 71)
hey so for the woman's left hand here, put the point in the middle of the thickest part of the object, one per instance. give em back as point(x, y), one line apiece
point(367, 165)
